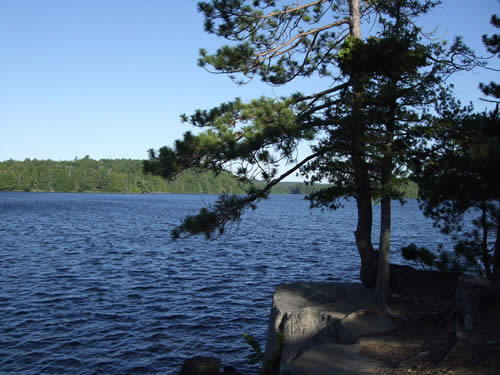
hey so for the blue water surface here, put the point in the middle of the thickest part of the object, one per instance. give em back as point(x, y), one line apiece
point(92, 283)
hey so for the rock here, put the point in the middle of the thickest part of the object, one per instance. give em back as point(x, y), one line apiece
point(331, 359)
point(307, 316)
point(365, 322)
point(230, 370)
point(201, 366)
point(417, 360)
point(305, 327)
point(464, 351)
point(470, 291)
point(406, 278)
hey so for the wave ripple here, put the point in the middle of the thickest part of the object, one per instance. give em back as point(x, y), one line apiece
point(91, 284)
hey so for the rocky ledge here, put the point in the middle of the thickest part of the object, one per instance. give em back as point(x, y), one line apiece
point(438, 326)
point(315, 326)
point(313, 329)
point(335, 328)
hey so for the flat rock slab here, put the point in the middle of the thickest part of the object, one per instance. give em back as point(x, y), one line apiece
point(365, 323)
point(311, 322)
point(338, 298)
point(329, 359)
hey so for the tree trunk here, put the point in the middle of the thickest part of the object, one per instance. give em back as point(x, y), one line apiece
point(496, 257)
point(361, 179)
point(363, 235)
point(387, 164)
point(383, 274)
point(484, 242)
point(354, 16)
point(382, 286)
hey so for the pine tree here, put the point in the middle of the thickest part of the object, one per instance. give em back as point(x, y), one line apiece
point(458, 180)
point(459, 176)
point(355, 126)
point(278, 46)
point(492, 44)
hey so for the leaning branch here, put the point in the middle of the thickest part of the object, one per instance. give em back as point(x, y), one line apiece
point(229, 209)
point(289, 172)
point(490, 100)
point(302, 35)
point(323, 93)
point(292, 10)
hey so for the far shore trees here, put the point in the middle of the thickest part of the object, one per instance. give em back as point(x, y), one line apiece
point(358, 126)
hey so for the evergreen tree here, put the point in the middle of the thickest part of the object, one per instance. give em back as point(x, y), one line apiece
point(278, 46)
point(492, 44)
point(354, 145)
point(492, 89)
point(400, 76)
point(458, 180)
point(459, 177)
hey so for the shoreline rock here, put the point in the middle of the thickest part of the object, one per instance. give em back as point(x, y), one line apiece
point(323, 327)
point(206, 366)
point(201, 366)
point(319, 323)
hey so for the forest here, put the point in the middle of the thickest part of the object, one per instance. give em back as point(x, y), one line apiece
point(121, 176)
point(103, 176)
point(126, 176)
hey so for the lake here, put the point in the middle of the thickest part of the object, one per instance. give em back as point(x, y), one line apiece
point(92, 284)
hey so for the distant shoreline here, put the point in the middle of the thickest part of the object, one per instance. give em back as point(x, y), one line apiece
point(125, 193)
point(126, 176)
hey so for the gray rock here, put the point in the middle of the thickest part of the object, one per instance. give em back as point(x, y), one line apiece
point(308, 316)
point(201, 366)
point(416, 360)
point(470, 291)
point(363, 323)
point(331, 359)
point(464, 351)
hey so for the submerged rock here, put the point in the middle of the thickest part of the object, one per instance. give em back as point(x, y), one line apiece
point(230, 370)
point(201, 366)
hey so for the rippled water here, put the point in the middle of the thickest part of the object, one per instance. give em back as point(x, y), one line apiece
point(91, 284)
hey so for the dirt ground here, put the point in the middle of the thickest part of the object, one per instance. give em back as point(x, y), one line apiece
point(425, 342)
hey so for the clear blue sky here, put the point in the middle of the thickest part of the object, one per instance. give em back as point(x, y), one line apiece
point(110, 78)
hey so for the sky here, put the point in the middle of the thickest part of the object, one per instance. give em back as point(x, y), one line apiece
point(109, 79)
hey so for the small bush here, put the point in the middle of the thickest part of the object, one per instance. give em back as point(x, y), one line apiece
point(424, 257)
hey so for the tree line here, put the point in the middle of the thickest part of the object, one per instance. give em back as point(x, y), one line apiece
point(125, 176)
point(104, 176)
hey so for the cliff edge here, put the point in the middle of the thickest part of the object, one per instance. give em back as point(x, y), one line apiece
point(334, 328)
point(316, 327)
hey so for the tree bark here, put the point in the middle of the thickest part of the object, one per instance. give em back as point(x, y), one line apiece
point(387, 164)
point(484, 242)
point(363, 231)
point(363, 234)
point(355, 19)
point(496, 257)
point(383, 274)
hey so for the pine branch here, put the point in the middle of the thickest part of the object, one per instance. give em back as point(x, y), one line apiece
point(229, 209)
point(273, 51)
point(292, 10)
point(323, 93)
